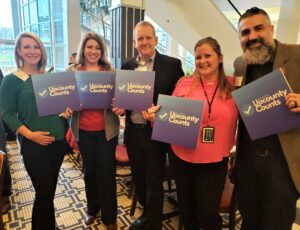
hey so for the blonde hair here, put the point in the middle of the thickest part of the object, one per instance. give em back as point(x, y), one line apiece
point(103, 61)
point(19, 60)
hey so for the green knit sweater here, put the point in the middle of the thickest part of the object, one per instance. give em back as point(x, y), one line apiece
point(18, 107)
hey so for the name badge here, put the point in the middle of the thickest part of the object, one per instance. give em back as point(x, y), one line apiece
point(238, 80)
point(208, 135)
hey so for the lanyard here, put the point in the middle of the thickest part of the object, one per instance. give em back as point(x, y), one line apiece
point(212, 99)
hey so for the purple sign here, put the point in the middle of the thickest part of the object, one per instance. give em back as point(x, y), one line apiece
point(134, 89)
point(178, 121)
point(55, 92)
point(262, 106)
point(95, 89)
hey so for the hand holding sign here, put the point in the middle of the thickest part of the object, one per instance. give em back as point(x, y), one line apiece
point(292, 101)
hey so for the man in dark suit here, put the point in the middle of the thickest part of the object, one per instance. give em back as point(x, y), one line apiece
point(148, 157)
point(268, 169)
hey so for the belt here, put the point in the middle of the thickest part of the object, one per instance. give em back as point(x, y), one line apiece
point(140, 126)
point(263, 152)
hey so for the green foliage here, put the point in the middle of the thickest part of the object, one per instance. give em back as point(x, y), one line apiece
point(88, 5)
point(188, 72)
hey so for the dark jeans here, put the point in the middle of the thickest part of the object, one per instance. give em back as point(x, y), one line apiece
point(266, 194)
point(43, 164)
point(98, 156)
point(199, 191)
point(148, 161)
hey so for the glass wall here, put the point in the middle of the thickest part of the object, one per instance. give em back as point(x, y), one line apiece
point(44, 18)
point(7, 62)
point(6, 38)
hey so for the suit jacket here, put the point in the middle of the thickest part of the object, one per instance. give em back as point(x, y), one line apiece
point(2, 129)
point(288, 58)
point(1, 76)
point(167, 69)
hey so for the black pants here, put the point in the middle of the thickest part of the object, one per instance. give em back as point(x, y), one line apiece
point(10, 135)
point(199, 191)
point(43, 164)
point(7, 176)
point(266, 194)
point(98, 156)
point(148, 161)
point(7, 179)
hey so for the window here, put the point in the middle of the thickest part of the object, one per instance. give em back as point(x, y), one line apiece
point(43, 10)
point(7, 58)
point(26, 15)
point(35, 29)
point(57, 10)
point(33, 13)
point(58, 29)
point(45, 32)
point(59, 58)
point(49, 56)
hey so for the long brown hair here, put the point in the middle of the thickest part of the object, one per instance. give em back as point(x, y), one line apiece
point(224, 85)
point(103, 61)
point(19, 60)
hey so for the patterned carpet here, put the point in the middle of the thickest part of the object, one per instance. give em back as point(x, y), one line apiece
point(70, 201)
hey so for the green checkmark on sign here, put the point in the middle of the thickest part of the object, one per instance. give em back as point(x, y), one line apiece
point(163, 116)
point(43, 93)
point(84, 88)
point(248, 110)
point(122, 88)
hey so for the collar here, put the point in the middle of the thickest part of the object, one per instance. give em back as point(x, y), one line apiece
point(143, 63)
point(21, 74)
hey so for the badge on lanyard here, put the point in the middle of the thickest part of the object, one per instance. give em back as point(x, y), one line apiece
point(208, 132)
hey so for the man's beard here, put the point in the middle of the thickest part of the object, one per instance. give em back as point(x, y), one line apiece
point(261, 54)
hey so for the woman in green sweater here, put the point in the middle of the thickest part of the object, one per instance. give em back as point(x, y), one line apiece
point(42, 138)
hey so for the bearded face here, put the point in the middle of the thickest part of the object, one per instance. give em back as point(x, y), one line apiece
point(260, 54)
point(256, 38)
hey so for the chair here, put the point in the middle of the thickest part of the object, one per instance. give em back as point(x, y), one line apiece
point(121, 156)
point(2, 159)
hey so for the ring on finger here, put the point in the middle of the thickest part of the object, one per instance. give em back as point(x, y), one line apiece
point(296, 104)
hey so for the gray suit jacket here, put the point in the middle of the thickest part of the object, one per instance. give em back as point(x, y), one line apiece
point(288, 58)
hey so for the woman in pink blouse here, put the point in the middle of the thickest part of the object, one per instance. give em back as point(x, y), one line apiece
point(200, 173)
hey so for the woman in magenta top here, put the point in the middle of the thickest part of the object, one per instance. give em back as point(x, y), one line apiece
point(96, 131)
point(200, 173)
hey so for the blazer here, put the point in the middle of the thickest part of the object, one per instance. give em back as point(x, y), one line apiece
point(287, 57)
point(1, 76)
point(168, 71)
point(2, 129)
point(111, 120)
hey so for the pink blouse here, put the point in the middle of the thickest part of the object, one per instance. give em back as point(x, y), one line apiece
point(223, 118)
